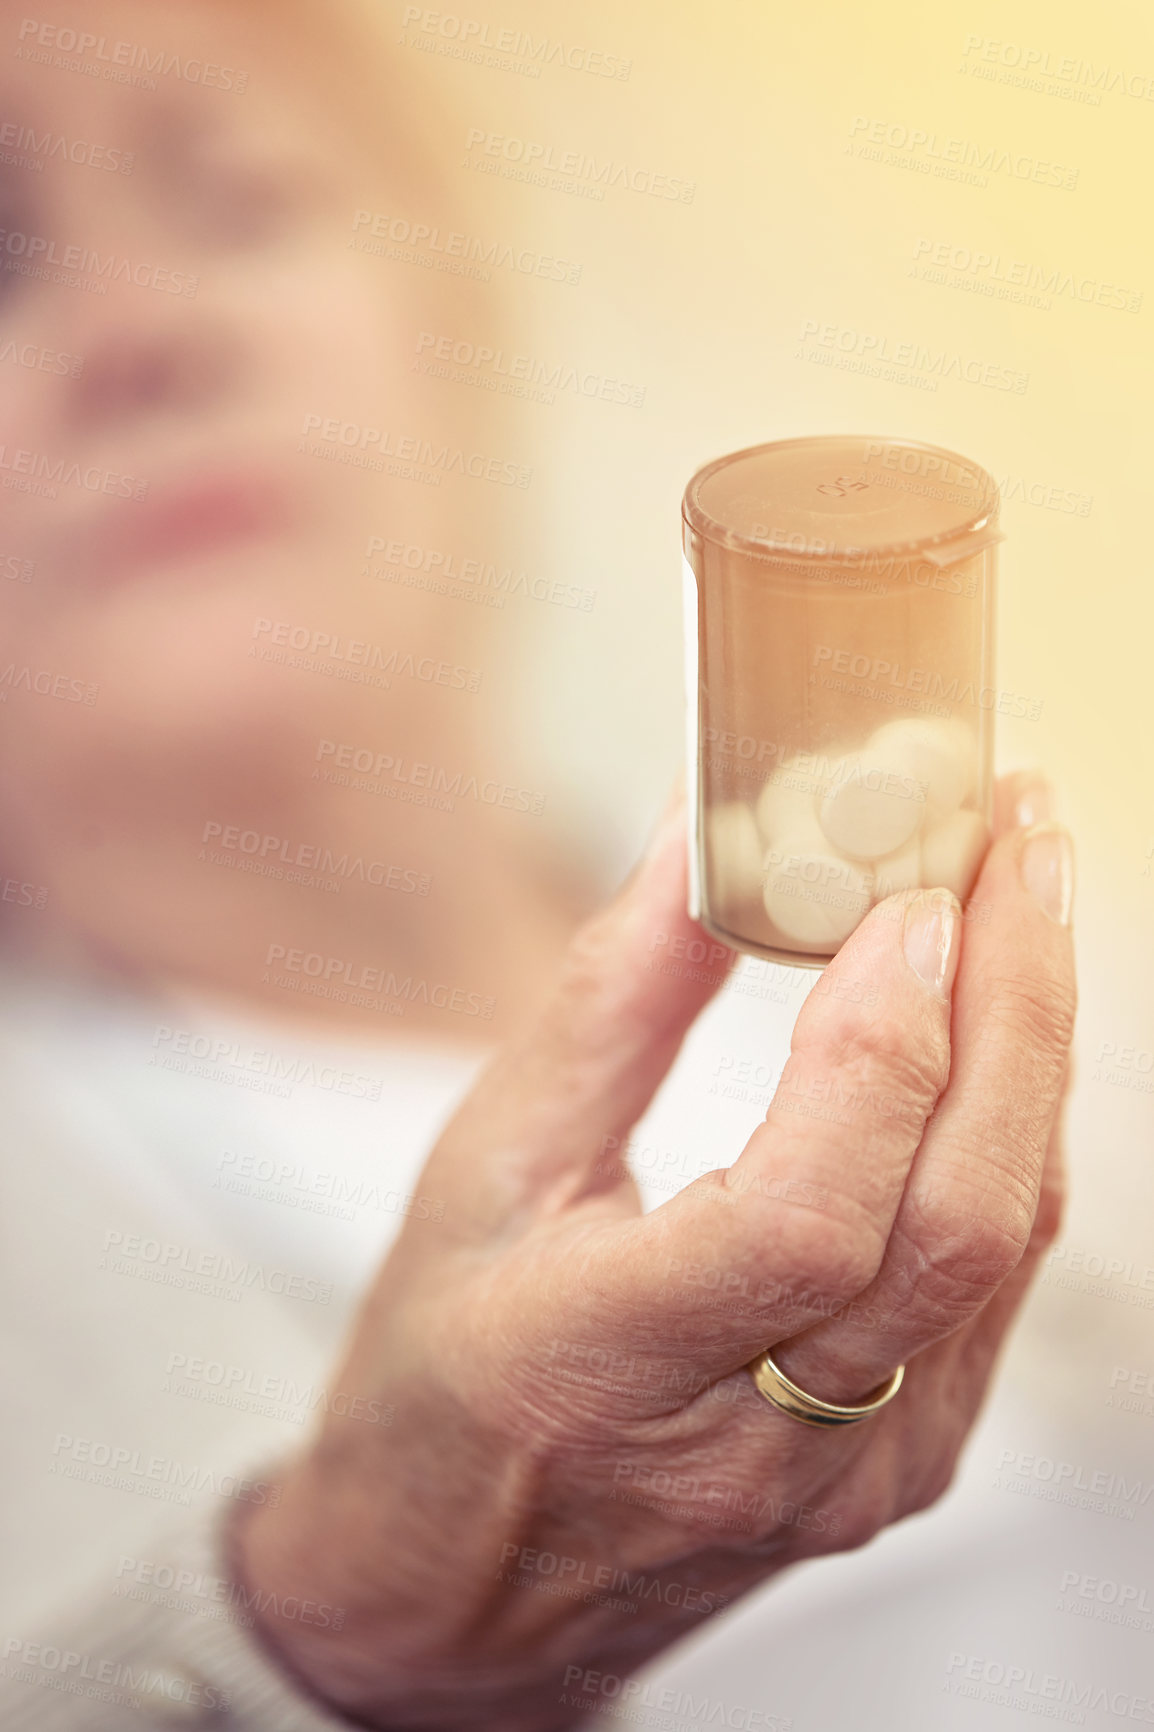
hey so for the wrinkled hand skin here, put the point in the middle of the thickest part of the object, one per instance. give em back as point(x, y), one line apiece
point(566, 1375)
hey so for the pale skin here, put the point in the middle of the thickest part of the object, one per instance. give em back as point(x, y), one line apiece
point(546, 1333)
point(196, 727)
point(546, 1351)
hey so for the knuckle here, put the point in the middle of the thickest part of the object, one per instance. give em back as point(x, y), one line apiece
point(584, 965)
point(871, 1509)
point(932, 1444)
point(966, 1245)
point(890, 1067)
point(591, 994)
point(1037, 1008)
point(834, 1259)
point(908, 1468)
point(932, 1484)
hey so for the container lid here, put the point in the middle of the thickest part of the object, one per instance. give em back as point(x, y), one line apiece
point(842, 498)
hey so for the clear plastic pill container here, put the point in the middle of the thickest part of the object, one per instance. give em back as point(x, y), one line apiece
point(839, 656)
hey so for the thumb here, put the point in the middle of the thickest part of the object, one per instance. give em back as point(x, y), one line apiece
point(535, 1131)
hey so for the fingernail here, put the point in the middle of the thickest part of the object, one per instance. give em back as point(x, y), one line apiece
point(1034, 803)
point(930, 938)
point(1048, 871)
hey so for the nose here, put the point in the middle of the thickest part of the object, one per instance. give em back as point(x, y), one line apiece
point(169, 363)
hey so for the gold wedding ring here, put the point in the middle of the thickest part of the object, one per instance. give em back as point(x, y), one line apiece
point(781, 1393)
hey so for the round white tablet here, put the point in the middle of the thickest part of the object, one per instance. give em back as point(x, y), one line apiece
point(733, 851)
point(876, 802)
point(953, 850)
point(789, 799)
point(942, 755)
point(813, 896)
point(900, 871)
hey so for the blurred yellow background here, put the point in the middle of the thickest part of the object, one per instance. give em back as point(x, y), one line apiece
point(895, 213)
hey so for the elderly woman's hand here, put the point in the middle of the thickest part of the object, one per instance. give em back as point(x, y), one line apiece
point(580, 1469)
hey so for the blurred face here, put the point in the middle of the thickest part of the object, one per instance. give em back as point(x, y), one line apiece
point(180, 305)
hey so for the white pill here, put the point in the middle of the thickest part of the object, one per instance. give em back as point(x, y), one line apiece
point(952, 851)
point(733, 853)
point(789, 799)
point(814, 896)
point(875, 804)
point(900, 871)
point(942, 755)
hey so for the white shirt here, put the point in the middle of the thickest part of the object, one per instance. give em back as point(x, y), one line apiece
point(192, 1206)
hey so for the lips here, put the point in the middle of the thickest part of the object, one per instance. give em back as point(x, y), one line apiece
point(186, 519)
